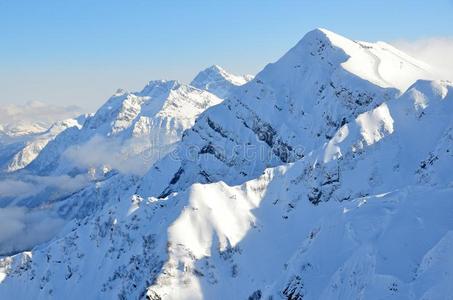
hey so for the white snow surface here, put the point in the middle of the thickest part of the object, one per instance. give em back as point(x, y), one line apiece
point(68, 170)
point(26, 129)
point(129, 132)
point(328, 176)
point(218, 81)
point(31, 148)
point(21, 120)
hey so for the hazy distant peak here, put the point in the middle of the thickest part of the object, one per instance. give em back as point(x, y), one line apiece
point(218, 81)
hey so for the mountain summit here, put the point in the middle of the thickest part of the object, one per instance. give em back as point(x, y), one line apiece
point(218, 81)
point(290, 108)
point(131, 124)
point(327, 176)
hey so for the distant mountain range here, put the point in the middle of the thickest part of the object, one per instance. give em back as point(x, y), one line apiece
point(325, 176)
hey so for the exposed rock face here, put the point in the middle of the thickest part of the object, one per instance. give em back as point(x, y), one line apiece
point(292, 107)
point(318, 179)
point(133, 124)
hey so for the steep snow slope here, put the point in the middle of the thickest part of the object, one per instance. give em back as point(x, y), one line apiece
point(80, 168)
point(357, 179)
point(130, 131)
point(25, 129)
point(266, 237)
point(95, 161)
point(388, 190)
point(218, 81)
point(291, 107)
point(33, 145)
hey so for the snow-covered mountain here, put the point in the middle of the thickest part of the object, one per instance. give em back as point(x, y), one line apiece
point(100, 155)
point(22, 153)
point(218, 81)
point(33, 117)
point(325, 177)
point(25, 130)
point(291, 108)
point(129, 132)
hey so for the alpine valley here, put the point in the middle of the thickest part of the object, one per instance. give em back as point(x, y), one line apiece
point(328, 175)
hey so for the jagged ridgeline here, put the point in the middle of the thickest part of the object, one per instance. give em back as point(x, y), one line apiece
point(326, 176)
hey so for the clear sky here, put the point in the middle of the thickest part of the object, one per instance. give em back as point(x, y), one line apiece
point(80, 52)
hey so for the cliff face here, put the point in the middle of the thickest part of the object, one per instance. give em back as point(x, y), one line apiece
point(325, 177)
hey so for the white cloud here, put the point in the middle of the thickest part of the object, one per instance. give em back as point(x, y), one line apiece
point(22, 228)
point(134, 156)
point(63, 183)
point(436, 51)
point(30, 185)
point(34, 116)
point(14, 188)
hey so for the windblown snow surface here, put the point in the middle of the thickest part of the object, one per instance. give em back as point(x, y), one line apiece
point(327, 176)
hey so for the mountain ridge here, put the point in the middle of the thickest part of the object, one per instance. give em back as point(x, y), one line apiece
point(274, 104)
point(307, 182)
point(218, 81)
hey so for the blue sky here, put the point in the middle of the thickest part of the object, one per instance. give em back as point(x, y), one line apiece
point(79, 52)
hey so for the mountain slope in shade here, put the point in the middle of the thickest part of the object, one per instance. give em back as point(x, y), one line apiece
point(333, 225)
point(271, 236)
point(100, 158)
point(218, 81)
point(142, 125)
point(313, 181)
point(290, 108)
point(105, 155)
point(78, 167)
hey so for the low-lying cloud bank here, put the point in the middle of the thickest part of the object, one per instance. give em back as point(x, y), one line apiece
point(25, 223)
point(22, 228)
point(134, 156)
point(30, 185)
point(436, 51)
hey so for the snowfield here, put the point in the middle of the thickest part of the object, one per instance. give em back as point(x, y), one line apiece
point(325, 176)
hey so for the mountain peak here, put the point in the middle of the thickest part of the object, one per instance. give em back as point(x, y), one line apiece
point(218, 81)
point(243, 181)
point(379, 63)
point(160, 85)
point(326, 36)
point(216, 68)
point(325, 33)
